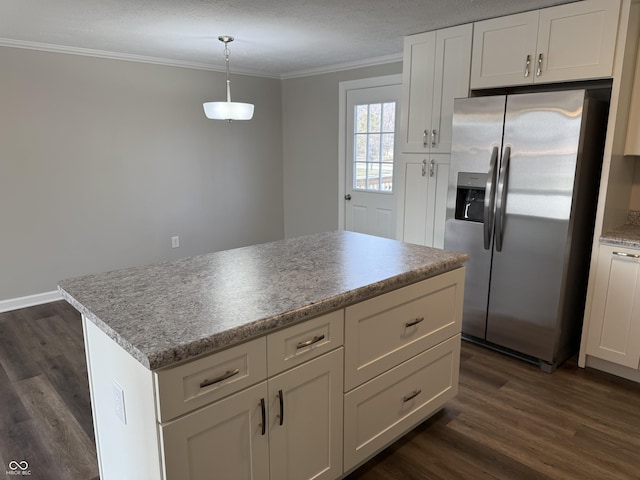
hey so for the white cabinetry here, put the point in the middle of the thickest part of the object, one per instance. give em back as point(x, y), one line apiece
point(568, 42)
point(305, 431)
point(274, 407)
point(435, 71)
point(423, 199)
point(223, 440)
point(288, 427)
point(402, 353)
point(614, 327)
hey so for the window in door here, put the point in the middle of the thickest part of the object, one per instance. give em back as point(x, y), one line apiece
point(373, 145)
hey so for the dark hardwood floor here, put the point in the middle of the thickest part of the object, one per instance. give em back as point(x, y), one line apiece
point(510, 420)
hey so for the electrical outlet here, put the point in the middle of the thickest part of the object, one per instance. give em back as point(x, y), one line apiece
point(175, 242)
point(118, 402)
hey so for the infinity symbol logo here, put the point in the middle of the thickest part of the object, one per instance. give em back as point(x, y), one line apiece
point(13, 465)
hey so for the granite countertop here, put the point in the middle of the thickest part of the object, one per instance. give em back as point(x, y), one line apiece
point(627, 235)
point(169, 312)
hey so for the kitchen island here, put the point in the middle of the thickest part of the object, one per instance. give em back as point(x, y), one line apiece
point(294, 359)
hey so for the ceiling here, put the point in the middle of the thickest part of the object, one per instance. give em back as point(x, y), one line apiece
point(275, 38)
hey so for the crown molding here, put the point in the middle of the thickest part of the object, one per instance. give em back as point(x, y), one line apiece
point(367, 62)
point(128, 57)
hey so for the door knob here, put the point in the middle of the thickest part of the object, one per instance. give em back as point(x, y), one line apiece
point(347, 196)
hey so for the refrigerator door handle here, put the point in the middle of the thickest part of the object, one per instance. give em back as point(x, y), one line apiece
point(501, 200)
point(490, 199)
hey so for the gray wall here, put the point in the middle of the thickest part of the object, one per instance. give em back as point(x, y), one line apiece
point(102, 161)
point(310, 148)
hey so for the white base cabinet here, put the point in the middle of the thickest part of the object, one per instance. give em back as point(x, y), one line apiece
point(285, 406)
point(378, 412)
point(222, 440)
point(568, 42)
point(614, 326)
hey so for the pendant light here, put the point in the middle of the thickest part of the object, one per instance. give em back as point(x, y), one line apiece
point(228, 110)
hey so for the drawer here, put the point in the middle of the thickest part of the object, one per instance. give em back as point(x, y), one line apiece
point(297, 344)
point(384, 331)
point(380, 411)
point(189, 386)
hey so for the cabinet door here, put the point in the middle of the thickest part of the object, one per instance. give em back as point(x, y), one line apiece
point(417, 91)
point(425, 199)
point(577, 41)
point(305, 432)
point(451, 80)
point(614, 327)
point(223, 440)
point(504, 50)
point(439, 185)
point(416, 195)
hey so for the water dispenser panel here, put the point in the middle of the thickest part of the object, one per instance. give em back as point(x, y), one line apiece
point(470, 196)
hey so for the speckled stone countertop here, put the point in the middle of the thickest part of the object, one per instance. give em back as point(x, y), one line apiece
point(173, 311)
point(627, 235)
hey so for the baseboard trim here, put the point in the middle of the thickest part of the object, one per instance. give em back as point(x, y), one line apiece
point(29, 301)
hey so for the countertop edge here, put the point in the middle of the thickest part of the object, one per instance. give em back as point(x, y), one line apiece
point(130, 349)
point(181, 353)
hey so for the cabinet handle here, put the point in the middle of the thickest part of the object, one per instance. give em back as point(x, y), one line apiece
point(415, 322)
point(264, 416)
point(224, 376)
point(628, 255)
point(539, 69)
point(527, 63)
point(281, 400)
point(424, 168)
point(425, 134)
point(432, 168)
point(411, 396)
point(434, 138)
point(309, 342)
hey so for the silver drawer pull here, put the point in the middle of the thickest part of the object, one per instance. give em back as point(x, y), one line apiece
point(411, 396)
point(315, 339)
point(224, 376)
point(628, 255)
point(413, 323)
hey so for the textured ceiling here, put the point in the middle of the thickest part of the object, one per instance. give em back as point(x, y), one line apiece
point(276, 38)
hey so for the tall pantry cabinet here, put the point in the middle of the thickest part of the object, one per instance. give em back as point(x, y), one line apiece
point(435, 71)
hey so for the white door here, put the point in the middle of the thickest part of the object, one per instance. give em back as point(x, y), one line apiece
point(372, 116)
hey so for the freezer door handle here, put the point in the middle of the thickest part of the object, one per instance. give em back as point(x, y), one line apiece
point(490, 199)
point(501, 200)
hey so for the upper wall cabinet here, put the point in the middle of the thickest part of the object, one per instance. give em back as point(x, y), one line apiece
point(435, 71)
point(575, 41)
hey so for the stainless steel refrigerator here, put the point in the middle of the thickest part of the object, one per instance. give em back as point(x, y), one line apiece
point(521, 201)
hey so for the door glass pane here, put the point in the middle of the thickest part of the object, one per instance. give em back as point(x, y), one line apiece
point(374, 146)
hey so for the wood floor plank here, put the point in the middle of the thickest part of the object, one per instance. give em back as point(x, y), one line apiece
point(65, 379)
point(12, 411)
point(73, 448)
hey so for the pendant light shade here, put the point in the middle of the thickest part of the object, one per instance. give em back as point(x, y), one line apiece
point(228, 110)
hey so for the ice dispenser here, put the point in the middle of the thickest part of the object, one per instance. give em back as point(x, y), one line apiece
point(470, 196)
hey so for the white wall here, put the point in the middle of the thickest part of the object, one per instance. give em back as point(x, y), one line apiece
point(310, 148)
point(102, 161)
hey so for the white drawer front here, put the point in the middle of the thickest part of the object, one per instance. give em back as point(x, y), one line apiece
point(197, 383)
point(297, 344)
point(387, 330)
point(381, 410)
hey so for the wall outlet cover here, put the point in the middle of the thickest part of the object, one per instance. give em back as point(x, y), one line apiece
point(118, 402)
